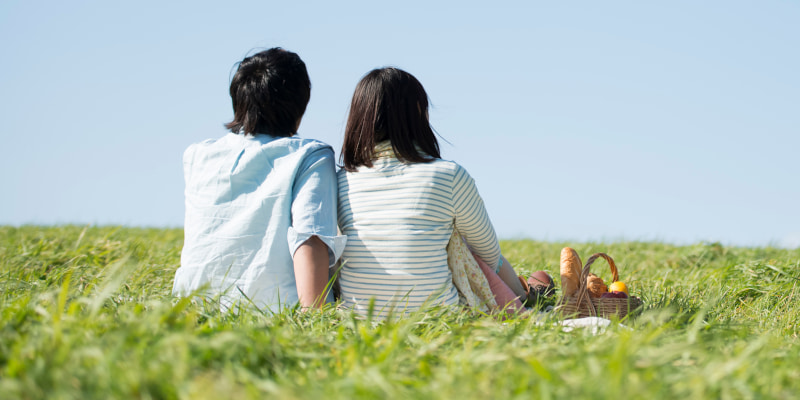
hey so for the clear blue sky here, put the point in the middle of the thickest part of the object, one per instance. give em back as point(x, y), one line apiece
point(675, 121)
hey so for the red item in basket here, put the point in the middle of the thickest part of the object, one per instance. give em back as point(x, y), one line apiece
point(614, 295)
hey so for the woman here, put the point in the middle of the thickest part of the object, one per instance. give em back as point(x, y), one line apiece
point(260, 224)
point(399, 203)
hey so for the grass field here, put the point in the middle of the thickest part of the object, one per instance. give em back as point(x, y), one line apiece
point(86, 313)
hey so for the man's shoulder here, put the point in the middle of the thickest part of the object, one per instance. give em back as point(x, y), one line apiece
point(268, 143)
point(204, 143)
point(300, 143)
point(201, 147)
point(299, 148)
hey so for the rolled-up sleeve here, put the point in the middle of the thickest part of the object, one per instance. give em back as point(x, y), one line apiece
point(314, 198)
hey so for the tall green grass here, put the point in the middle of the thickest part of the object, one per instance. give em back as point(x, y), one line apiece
point(86, 312)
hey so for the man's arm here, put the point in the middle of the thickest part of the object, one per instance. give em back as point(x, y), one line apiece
point(311, 272)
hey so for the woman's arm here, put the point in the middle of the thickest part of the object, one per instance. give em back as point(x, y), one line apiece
point(472, 220)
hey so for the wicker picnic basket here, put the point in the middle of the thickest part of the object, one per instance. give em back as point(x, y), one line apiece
point(581, 304)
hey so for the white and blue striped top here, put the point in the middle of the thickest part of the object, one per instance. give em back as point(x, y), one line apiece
point(398, 218)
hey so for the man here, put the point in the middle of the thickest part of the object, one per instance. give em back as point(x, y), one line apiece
point(260, 225)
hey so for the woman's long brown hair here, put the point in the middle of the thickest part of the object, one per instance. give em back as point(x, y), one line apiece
point(388, 103)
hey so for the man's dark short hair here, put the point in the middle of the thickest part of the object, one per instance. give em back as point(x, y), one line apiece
point(270, 92)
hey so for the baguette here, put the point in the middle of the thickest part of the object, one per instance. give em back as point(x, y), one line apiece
point(570, 271)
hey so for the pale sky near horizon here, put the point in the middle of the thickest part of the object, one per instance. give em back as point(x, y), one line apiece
point(618, 120)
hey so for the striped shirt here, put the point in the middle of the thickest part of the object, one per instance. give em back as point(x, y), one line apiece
point(398, 218)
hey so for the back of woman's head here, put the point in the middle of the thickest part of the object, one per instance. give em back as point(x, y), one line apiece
point(270, 92)
point(388, 104)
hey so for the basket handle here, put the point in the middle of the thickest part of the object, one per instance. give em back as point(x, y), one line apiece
point(595, 256)
point(583, 289)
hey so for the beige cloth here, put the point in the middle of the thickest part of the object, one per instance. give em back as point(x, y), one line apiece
point(473, 287)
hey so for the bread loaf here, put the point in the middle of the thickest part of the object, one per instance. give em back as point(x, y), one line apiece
point(595, 286)
point(570, 271)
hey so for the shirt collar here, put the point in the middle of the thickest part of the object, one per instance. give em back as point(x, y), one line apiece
point(383, 150)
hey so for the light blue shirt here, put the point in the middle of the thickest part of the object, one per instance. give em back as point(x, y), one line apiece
point(251, 201)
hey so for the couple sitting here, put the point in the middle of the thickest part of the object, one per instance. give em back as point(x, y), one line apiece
point(263, 205)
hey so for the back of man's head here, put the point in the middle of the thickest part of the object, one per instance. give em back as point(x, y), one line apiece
point(270, 92)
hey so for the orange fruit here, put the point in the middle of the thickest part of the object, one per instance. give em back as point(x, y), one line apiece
point(618, 287)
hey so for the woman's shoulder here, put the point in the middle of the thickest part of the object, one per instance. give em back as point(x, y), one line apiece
point(393, 166)
point(445, 166)
point(441, 169)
